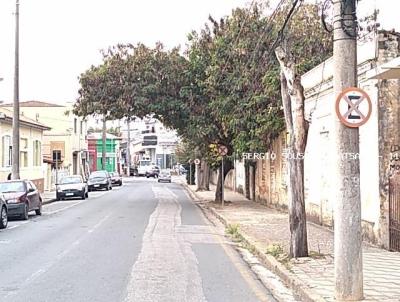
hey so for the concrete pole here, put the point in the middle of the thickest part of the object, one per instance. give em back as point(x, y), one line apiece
point(56, 170)
point(348, 238)
point(128, 149)
point(15, 123)
point(190, 173)
point(165, 158)
point(104, 140)
point(222, 182)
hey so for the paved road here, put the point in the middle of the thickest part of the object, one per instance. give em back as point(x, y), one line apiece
point(143, 242)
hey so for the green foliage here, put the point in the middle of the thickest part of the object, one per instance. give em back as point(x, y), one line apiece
point(225, 89)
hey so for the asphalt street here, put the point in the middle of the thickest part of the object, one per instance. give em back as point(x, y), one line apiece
point(144, 241)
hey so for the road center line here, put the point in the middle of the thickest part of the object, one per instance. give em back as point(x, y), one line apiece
point(166, 268)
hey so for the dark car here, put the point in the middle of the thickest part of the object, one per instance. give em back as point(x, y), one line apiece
point(21, 196)
point(3, 213)
point(116, 179)
point(99, 180)
point(133, 171)
point(72, 186)
point(153, 172)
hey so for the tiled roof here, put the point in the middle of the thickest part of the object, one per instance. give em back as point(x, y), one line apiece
point(33, 104)
point(23, 119)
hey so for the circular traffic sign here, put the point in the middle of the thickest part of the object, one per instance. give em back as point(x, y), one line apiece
point(222, 150)
point(197, 161)
point(353, 107)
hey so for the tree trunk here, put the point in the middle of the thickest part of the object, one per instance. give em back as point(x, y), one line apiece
point(206, 176)
point(247, 180)
point(203, 183)
point(218, 192)
point(293, 105)
point(252, 169)
point(104, 138)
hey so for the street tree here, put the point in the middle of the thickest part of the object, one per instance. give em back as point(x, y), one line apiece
point(304, 45)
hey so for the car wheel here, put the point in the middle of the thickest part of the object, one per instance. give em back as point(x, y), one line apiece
point(3, 218)
point(25, 215)
point(39, 211)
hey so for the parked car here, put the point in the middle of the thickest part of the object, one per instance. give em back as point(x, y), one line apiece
point(21, 196)
point(3, 213)
point(133, 171)
point(116, 179)
point(153, 172)
point(165, 176)
point(99, 180)
point(142, 170)
point(72, 186)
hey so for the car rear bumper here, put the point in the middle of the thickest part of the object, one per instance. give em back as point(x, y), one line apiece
point(95, 187)
point(164, 180)
point(70, 194)
point(16, 209)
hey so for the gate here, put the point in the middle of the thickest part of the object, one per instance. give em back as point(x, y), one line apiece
point(394, 213)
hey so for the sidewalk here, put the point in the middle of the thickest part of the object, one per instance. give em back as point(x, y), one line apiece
point(267, 231)
point(48, 196)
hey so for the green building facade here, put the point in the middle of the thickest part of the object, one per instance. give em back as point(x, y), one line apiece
point(111, 156)
point(95, 142)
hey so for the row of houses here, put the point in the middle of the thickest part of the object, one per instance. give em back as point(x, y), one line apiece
point(52, 138)
point(265, 180)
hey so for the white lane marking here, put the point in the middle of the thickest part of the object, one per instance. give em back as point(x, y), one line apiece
point(98, 224)
point(47, 266)
point(166, 268)
point(18, 225)
point(71, 203)
point(62, 209)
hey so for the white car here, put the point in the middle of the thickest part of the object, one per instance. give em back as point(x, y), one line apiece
point(72, 186)
point(164, 176)
point(142, 170)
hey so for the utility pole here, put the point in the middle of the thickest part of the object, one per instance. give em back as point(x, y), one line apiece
point(128, 148)
point(104, 141)
point(15, 124)
point(348, 238)
point(222, 183)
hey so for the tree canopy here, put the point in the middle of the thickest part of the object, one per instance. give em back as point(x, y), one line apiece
point(224, 89)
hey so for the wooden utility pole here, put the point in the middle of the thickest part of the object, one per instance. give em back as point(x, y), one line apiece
point(15, 124)
point(348, 238)
point(104, 141)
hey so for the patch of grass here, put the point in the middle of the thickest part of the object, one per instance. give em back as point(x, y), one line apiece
point(233, 231)
point(251, 248)
point(275, 250)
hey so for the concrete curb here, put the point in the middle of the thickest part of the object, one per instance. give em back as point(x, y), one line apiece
point(291, 280)
point(49, 201)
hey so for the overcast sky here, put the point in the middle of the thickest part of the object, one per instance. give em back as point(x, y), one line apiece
point(62, 38)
